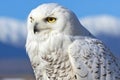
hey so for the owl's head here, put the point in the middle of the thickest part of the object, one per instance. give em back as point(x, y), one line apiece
point(51, 17)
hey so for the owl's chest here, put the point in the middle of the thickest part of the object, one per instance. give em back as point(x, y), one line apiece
point(53, 66)
point(50, 59)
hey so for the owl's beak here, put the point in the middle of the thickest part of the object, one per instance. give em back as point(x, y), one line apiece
point(36, 28)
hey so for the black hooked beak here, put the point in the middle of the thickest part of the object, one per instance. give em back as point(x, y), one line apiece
point(36, 28)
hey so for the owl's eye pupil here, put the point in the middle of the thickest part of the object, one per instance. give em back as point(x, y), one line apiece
point(50, 19)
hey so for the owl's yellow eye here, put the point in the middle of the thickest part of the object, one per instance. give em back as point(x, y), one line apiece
point(51, 19)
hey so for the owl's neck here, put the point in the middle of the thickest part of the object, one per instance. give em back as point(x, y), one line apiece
point(47, 42)
point(55, 40)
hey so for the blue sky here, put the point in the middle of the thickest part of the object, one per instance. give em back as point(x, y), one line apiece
point(20, 8)
point(101, 17)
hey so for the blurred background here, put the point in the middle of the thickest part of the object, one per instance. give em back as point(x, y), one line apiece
point(100, 17)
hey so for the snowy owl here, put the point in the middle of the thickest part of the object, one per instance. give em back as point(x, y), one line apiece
point(60, 48)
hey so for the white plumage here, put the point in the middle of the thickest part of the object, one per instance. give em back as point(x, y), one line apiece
point(60, 48)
